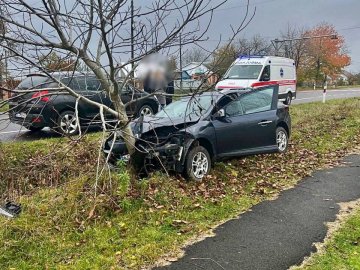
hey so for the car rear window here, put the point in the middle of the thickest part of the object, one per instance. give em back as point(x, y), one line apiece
point(83, 83)
point(32, 82)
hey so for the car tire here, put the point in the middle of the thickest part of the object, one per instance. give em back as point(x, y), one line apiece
point(288, 99)
point(282, 140)
point(34, 129)
point(145, 110)
point(67, 123)
point(197, 163)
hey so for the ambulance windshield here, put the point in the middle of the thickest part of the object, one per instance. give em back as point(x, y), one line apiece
point(247, 72)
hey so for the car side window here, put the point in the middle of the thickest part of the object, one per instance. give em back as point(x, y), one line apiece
point(91, 84)
point(257, 101)
point(234, 108)
point(83, 83)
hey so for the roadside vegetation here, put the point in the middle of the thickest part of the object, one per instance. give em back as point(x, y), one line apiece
point(131, 223)
point(4, 108)
point(342, 251)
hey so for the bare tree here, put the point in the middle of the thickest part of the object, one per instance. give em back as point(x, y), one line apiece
point(256, 45)
point(100, 35)
point(195, 54)
point(295, 49)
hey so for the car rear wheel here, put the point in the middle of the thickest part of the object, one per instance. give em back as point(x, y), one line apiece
point(282, 139)
point(146, 110)
point(67, 123)
point(198, 163)
point(288, 99)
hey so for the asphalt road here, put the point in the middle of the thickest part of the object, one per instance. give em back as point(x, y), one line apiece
point(12, 132)
point(277, 234)
point(312, 96)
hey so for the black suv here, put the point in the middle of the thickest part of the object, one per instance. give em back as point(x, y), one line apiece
point(37, 110)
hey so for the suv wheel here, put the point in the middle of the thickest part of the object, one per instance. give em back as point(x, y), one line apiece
point(288, 99)
point(198, 163)
point(67, 123)
point(146, 110)
point(282, 139)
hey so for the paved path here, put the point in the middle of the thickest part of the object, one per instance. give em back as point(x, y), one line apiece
point(278, 234)
point(13, 132)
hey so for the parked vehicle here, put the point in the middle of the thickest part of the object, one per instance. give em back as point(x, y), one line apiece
point(37, 110)
point(191, 133)
point(184, 81)
point(259, 71)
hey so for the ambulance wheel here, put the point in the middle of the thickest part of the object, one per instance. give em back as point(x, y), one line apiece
point(288, 99)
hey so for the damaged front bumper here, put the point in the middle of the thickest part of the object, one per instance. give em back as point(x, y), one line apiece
point(168, 155)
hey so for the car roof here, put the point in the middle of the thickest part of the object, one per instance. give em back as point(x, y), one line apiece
point(61, 74)
point(221, 93)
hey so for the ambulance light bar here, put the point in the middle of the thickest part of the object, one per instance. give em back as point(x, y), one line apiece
point(251, 56)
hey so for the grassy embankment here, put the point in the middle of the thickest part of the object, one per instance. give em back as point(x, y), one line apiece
point(4, 108)
point(133, 223)
point(342, 250)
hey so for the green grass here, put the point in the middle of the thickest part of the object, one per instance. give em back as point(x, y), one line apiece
point(342, 251)
point(4, 108)
point(131, 223)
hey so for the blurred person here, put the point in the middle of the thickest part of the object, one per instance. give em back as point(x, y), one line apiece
point(170, 88)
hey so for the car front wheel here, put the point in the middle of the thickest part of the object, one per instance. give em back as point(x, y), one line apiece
point(282, 139)
point(198, 163)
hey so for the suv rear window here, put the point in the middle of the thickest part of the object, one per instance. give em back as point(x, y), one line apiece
point(32, 82)
point(82, 83)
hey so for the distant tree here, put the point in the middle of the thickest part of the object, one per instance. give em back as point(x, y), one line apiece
point(354, 79)
point(223, 58)
point(195, 54)
point(54, 62)
point(173, 63)
point(295, 49)
point(324, 56)
point(256, 45)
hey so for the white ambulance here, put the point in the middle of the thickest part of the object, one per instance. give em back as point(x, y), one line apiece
point(258, 71)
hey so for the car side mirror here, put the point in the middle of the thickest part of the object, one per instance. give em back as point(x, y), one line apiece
point(219, 114)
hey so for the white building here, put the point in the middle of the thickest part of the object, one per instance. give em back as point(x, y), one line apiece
point(197, 68)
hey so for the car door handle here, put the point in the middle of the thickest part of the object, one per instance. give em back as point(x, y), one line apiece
point(262, 123)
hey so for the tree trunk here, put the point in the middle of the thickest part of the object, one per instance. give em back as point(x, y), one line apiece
point(127, 133)
point(114, 93)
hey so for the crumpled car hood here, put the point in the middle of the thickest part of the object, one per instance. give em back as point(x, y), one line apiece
point(149, 123)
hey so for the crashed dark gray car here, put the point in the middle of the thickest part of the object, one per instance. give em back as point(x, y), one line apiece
point(192, 133)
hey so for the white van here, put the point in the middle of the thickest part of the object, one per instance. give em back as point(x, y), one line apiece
point(258, 71)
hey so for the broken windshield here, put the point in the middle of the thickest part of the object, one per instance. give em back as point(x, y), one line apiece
point(189, 108)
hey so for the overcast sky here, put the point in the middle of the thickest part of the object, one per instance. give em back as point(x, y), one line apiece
point(272, 16)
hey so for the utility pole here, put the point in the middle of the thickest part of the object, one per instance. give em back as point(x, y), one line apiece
point(132, 42)
point(180, 63)
point(279, 43)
